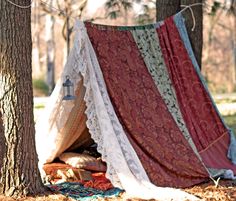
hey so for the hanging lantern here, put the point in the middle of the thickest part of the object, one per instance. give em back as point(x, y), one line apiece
point(68, 88)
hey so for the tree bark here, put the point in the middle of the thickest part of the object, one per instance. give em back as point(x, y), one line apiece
point(166, 8)
point(2, 140)
point(19, 174)
point(196, 36)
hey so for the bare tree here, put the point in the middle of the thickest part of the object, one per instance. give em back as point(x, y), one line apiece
point(19, 173)
point(49, 28)
point(37, 68)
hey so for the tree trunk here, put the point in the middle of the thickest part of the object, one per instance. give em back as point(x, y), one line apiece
point(166, 8)
point(234, 30)
point(2, 140)
point(67, 26)
point(19, 174)
point(50, 51)
point(196, 36)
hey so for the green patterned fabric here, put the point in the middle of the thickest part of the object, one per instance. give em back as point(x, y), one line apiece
point(78, 192)
point(148, 44)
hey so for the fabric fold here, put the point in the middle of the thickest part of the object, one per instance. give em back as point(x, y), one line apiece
point(143, 120)
point(201, 118)
point(164, 153)
point(124, 168)
point(179, 22)
point(148, 44)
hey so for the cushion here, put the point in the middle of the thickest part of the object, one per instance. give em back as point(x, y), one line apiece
point(83, 161)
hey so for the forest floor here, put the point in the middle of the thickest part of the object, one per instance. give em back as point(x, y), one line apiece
point(225, 191)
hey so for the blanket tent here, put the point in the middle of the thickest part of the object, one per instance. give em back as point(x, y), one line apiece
point(141, 97)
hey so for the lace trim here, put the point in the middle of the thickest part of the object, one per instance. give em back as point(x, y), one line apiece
point(102, 121)
point(124, 167)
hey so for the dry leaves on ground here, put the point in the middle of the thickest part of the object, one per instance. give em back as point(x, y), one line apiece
point(225, 191)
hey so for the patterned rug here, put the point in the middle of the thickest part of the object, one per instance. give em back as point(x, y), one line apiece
point(77, 191)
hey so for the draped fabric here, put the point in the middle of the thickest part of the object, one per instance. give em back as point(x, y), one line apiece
point(179, 22)
point(208, 132)
point(165, 154)
point(148, 44)
point(124, 169)
point(54, 138)
point(144, 104)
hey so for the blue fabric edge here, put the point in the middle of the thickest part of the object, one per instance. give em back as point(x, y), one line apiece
point(111, 193)
point(180, 24)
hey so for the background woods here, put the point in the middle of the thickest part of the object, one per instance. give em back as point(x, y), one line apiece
point(53, 21)
point(52, 36)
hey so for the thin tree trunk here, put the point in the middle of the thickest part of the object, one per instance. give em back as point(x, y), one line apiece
point(196, 36)
point(37, 69)
point(19, 173)
point(234, 30)
point(67, 24)
point(50, 51)
point(67, 36)
point(66, 31)
point(166, 8)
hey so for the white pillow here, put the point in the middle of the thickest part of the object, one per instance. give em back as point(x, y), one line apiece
point(83, 161)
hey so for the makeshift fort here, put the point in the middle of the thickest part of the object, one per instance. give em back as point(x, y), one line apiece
point(141, 98)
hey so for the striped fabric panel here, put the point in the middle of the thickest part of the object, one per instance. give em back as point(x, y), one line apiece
point(203, 122)
point(179, 22)
point(148, 44)
point(161, 147)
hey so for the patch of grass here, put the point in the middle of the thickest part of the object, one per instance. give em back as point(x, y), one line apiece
point(40, 87)
point(39, 106)
point(231, 121)
point(228, 100)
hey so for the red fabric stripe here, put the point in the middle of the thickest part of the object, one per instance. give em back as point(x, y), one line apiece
point(162, 149)
point(203, 122)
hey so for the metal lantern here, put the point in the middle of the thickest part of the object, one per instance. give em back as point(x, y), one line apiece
point(68, 88)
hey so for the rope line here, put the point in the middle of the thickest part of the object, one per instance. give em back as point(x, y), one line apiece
point(191, 5)
point(19, 6)
point(191, 10)
point(61, 12)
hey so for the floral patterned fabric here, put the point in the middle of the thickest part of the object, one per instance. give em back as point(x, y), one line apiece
point(164, 152)
point(204, 124)
point(180, 24)
point(148, 44)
